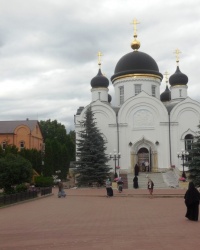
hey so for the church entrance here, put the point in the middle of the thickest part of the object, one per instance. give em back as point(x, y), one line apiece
point(144, 160)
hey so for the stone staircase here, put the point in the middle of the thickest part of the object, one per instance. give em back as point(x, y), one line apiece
point(160, 182)
point(168, 179)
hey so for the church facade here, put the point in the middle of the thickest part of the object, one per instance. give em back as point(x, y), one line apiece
point(143, 124)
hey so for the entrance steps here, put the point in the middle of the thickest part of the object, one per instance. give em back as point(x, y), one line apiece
point(161, 180)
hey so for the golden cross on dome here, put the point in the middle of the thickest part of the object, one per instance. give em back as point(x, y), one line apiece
point(177, 52)
point(166, 74)
point(99, 58)
point(135, 22)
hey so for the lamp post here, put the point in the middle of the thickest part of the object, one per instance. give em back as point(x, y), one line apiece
point(116, 156)
point(183, 155)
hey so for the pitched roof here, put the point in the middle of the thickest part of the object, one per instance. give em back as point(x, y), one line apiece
point(8, 127)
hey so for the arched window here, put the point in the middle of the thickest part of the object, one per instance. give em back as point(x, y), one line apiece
point(121, 95)
point(180, 92)
point(153, 90)
point(188, 142)
point(138, 88)
point(22, 145)
point(3, 145)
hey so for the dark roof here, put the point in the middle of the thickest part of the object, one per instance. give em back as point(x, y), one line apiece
point(178, 78)
point(79, 110)
point(99, 81)
point(170, 106)
point(8, 127)
point(116, 109)
point(136, 62)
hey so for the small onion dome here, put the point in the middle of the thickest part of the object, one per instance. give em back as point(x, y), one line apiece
point(178, 78)
point(166, 95)
point(99, 81)
point(109, 98)
point(136, 62)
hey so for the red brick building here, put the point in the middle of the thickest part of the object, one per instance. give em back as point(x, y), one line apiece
point(23, 134)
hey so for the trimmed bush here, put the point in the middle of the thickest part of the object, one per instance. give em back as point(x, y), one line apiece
point(41, 181)
point(21, 188)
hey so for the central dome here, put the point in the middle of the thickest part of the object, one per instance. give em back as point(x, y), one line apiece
point(136, 62)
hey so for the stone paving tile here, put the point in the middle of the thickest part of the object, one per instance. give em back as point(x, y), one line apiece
point(86, 219)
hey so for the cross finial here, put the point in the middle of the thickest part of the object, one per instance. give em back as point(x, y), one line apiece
point(99, 58)
point(166, 74)
point(177, 52)
point(135, 22)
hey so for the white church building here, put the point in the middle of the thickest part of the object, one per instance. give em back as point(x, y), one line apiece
point(143, 124)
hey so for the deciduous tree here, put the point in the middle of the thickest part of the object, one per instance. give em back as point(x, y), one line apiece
point(59, 148)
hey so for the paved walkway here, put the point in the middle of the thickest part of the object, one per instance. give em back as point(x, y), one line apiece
point(86, 219)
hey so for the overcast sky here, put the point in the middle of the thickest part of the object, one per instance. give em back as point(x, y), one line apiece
point(48, 49)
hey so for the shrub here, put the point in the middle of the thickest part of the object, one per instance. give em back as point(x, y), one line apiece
point(21, 188)
point(41, 181)
point(9, 190)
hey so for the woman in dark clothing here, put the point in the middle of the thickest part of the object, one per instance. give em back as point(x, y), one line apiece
point(136, 169)
point(135, 182)
point(192, 197)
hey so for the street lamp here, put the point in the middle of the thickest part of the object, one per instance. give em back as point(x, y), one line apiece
point(116, 156)
point(183, 155)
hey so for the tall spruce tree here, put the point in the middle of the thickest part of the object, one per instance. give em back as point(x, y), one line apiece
point(194, 160)
point(92, 159)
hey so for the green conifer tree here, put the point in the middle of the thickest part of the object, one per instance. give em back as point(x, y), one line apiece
point(92, 159)
point(194, 160)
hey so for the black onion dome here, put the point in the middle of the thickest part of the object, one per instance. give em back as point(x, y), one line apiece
point(99, 81)
point(178, 78)
point(136, 62)
point(109, 98)
point(166, 95)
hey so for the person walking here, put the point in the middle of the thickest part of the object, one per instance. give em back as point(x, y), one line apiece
point(192, 197)
point(61, 192)
point(150, 186)
point(120, 184)
point(135, 182)
point(109, 189)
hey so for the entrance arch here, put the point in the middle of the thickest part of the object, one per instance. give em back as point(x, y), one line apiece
point(144, 149)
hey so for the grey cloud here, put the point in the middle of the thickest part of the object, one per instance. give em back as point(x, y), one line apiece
point(48, 49)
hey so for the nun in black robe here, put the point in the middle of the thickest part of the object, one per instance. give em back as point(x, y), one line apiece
point(192, 197)
point(136, 170)
point(135, 182)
